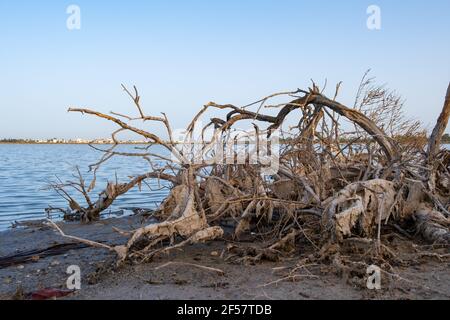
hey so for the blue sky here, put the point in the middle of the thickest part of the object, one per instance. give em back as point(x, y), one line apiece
point(182, 54)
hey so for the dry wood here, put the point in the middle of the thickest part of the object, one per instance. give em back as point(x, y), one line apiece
point(436, 136)
point(218, 271)
point(332, 183)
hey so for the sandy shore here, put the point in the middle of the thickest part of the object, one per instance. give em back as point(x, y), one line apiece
point(185, 277)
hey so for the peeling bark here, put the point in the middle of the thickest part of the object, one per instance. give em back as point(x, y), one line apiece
point(349, 184)
point(432, 225)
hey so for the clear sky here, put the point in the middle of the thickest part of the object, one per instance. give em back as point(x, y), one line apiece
point(182, 54)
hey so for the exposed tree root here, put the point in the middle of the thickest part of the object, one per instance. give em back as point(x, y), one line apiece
point(432, 225)
point(330, 185)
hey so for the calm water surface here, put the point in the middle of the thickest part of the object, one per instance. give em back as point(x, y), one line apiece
point(25, 171)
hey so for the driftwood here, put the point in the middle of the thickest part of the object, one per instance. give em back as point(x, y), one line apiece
point(346, 182)
point(35, 254)
point(432, 225)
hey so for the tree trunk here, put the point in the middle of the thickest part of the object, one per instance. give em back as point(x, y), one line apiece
point(436, 137)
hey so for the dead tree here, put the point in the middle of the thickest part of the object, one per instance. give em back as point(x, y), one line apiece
point(347, 183)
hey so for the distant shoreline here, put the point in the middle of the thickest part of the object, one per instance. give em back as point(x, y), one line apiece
point(72, 143)
point(98, 143)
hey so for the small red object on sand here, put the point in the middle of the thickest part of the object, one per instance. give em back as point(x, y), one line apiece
point(46, 294)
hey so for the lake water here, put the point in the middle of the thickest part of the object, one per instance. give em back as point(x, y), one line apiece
point(25, 171)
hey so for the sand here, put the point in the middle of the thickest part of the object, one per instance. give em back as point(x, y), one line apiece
point(185, 278)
